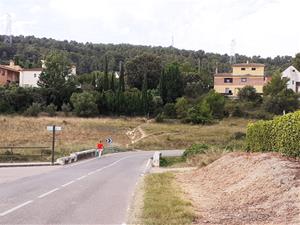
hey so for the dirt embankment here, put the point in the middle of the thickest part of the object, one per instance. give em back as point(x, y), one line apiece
point(242, 188)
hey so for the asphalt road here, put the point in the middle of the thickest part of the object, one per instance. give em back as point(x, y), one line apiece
point(96, 191)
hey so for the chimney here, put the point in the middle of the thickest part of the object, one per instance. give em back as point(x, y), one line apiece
point(217, 70)
point(11, 63)
point(247, 62)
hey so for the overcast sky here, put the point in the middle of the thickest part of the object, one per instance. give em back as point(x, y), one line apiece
point(259, 27)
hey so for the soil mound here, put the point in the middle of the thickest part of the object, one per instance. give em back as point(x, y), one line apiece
point(245, 188)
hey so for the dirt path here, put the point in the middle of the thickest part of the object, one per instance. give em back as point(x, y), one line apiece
point(240, 188)
point(136, 134)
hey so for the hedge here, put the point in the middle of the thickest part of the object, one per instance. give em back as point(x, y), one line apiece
point(281, 134)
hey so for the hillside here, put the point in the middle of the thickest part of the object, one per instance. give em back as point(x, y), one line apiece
point(242, 188)
point(88, 57)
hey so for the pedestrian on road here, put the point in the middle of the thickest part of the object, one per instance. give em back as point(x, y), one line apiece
point(100, 148)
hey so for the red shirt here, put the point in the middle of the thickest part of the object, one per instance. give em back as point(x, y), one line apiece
point(100, 146)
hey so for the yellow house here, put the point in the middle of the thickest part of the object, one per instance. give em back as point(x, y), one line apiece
point(243, 74)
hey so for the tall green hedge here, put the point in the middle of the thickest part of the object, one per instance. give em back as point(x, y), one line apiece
point(281, 134)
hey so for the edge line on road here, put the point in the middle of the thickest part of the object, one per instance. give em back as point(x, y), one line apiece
point(48, 193)
point(15, 208)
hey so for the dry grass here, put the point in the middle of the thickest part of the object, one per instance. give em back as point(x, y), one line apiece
point(77, 133)
point(181, 136)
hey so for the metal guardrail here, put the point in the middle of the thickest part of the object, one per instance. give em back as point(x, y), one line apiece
point(12, 154)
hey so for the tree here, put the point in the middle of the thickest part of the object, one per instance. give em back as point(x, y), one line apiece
point(57, 79)
point(216, 103)
point(173, 83)
point(248, 93)
point(112, 82)
point(106, 81)
point(200, 114)
point(162, 86)
point(141, 64)
point(181, 107)
point(296, 61)
point(145, 95)
point(84, 104)
point(278, 98)
point(121, 78)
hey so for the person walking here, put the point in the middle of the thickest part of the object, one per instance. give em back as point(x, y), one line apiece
point(100, 148)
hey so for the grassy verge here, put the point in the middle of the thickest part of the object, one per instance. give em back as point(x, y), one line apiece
point(163, 202)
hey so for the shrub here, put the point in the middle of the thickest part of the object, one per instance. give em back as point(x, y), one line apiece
point(84, 104)
point(216, 103)
point(169, 110)
point(66, 108)
point(200, 114)
point(195, 149)
point(159, 118)
point(51, 109)
point(181, 107)
point(33, 110)
point(248, 93)
point(281, 134)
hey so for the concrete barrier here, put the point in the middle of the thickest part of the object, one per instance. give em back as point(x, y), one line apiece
point(156, 159)
point(74, 157)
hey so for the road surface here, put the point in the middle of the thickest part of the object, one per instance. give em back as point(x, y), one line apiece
point(95, 191)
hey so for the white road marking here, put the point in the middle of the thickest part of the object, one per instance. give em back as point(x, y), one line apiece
point(48, 193)
point(15, 208)
point(67, 184)
point(82, 177)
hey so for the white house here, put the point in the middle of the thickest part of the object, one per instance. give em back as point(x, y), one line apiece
point(294, 78)
point(29, 77)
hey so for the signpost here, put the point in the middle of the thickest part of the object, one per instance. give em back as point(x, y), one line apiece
point(53, 129)
point(109, 140)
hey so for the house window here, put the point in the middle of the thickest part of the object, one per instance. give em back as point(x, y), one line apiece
point(293, 82)
point(34, 75)
point(243, 69)
point(243, 79)
point(253, 68)
point(294, 70)
point(227, 80)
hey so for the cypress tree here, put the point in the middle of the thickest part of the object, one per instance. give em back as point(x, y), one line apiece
point(145, 95)
point(162, 86)
point(112, 82)
point(121, 78)
point(106, 81)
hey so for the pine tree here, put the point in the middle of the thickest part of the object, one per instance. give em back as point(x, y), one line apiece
point(121, 78)
point(112, 82)
point(106, 81)
point(145, 95)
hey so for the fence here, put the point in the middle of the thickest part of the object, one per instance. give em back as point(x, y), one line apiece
point(24, 153)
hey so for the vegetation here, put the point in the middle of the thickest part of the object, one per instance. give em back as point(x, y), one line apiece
point(281, 134)
point(163, 202)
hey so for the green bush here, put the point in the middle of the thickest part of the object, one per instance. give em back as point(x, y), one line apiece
point(281, 134)
point(51, 109)
point(66, 108)
point(33, 110)
point(200, 114)
point(84, 104)
point(169, 110)
point(195, 149)
point(159, 118)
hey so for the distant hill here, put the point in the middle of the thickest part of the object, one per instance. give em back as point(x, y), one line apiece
point(88, 57)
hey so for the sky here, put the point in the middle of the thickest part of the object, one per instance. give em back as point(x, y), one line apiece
point(258, 27)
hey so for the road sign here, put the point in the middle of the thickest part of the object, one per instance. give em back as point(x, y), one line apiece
point(109, 140)
point(50, 128)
